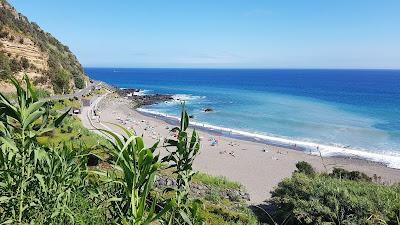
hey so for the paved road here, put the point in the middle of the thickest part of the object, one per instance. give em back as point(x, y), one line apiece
point(78, 94)
point(87, 114)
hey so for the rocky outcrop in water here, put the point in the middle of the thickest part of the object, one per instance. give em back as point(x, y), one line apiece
point(142, 100)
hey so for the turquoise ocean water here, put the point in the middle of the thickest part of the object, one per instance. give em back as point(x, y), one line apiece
point(342, 112)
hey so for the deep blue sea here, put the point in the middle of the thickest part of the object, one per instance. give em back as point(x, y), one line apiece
point(353, 112)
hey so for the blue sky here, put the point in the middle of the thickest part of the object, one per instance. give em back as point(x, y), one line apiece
point(224, 33)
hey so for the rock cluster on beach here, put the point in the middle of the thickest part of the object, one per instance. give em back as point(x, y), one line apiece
point(142, 100)
point(198, 189)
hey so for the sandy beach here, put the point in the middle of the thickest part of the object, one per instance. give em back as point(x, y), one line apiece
point(259, 167)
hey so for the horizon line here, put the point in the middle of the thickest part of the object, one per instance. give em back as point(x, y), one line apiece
point(240, 68)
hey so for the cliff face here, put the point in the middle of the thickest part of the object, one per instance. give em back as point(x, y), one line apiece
point(26, 49)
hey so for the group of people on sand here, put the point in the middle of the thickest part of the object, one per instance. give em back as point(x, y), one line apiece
point(232, 153)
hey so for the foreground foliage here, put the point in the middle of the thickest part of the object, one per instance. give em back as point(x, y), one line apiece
point(134, 170)
point(181, 157)
point(335, 199)
point(35, 178)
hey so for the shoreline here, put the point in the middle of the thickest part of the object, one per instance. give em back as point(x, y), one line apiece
point(390, 161)
point(258, 167)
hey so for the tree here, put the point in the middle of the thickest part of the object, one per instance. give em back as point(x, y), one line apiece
point(79, 82)
point(60, 80)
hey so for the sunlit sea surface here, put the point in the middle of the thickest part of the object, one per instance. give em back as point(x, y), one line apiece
point(342, 112)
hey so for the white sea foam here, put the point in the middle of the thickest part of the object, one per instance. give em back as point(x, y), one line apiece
point(142, 92)
point(178, 98)
point(139, 93)
point(184, 97)
point(391, 159)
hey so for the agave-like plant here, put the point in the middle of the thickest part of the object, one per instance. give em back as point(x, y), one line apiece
point(33, 178)
point(182, 153)
point(134, 170)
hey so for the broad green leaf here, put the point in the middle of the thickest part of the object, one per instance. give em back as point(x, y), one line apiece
point(30, 88)
point(34, 107)
point(58, 121)
point(127, 132)
point(32, 118)
point(185, 217)
point(9, 143)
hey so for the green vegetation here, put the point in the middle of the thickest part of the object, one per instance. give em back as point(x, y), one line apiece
point(72, 131)
point(79, 82)
point(35, 178)
point(42, 93)
point(5, 69)
point(64, 103)
point(217, 209)
point(8, 65)
point(95, 92)
point(336, 198)
point(217, 181)
point(185, 150)
point(134, 173)
point(60, 80)
point(349, 175)
point(305, 167)
point(219, 214)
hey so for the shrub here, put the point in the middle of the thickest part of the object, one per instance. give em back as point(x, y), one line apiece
point(3, 34)
point(5, 70)
point(69, 129)
point(349, 175)
point(79, 82)
point(41, 80)
point(60, 80)
point(15, 65)
point(24, 63)
point(305, 167)
point(327, 200)
point(42, 93)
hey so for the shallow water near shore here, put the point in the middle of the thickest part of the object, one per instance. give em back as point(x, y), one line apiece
point(354, 112)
